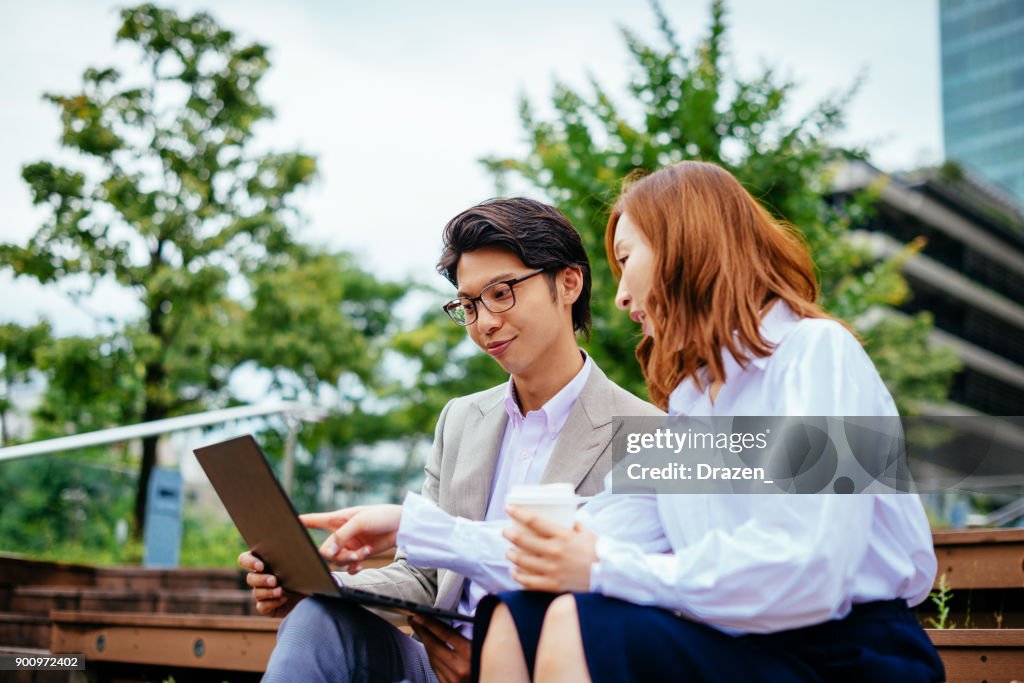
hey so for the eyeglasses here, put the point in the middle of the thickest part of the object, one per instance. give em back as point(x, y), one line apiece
point(496, 297)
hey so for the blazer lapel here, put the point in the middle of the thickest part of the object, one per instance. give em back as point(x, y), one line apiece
point(475, 467)
point(473, 479)
point(585, 434)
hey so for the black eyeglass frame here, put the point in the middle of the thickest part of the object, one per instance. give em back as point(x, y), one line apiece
point(449, 307)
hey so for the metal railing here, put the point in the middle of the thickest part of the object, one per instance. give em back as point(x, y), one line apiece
point(294, 413)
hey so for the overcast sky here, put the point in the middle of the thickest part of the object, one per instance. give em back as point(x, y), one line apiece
point(399, 100)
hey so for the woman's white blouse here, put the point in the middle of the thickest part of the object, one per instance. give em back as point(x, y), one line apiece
point(763, 563)
point(741, 563)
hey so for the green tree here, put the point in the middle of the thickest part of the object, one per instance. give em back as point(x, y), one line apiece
point(328, 318)
point(173, 202)
point(67, 507)
point(91, 383)
point(691, 106)
point(19, 350)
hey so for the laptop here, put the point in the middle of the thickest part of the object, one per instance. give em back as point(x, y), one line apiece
point(270, 526)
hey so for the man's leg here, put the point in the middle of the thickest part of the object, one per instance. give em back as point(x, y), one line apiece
point(331, 640)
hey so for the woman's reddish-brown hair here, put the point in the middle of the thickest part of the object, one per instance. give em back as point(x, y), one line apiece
point(719, 259)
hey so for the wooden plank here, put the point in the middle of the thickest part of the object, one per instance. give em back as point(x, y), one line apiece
point(992, 655)
point(971, 536)
point(142, 578)
point(199, 641)
point(971, 665)
point(212, 622)
point(19, 570)
point(979, 565)
point(24, 630)
point(16, 570)
point(43, 599)
point(980, 558)
point(977, 637)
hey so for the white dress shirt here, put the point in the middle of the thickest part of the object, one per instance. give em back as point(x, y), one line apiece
point(526, 447)
point(748, 563)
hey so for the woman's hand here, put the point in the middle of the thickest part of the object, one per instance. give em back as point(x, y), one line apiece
point(548, 556)
point(357, 532)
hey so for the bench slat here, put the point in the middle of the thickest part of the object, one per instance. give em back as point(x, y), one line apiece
point(198, 641)
point(982, 654)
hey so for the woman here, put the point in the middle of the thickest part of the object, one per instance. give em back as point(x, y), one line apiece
point(721, 587)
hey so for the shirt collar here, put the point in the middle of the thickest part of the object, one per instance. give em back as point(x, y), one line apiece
point(556, 410)
point(776, 323)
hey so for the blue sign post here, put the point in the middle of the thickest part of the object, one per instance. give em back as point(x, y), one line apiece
point(161, 535)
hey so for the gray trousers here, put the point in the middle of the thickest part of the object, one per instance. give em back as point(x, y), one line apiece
point(331, 640)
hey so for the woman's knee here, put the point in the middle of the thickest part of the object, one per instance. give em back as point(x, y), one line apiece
point(561, 628)
point(560, 654)
point(562, 612)
point(501, 629)
point(502, 654)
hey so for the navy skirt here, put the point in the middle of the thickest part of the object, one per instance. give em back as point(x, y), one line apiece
point(878, 642)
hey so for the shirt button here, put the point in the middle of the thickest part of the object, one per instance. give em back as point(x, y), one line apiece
point(524, 455)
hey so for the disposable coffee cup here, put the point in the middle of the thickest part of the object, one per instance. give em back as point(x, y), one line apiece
point(555, 502)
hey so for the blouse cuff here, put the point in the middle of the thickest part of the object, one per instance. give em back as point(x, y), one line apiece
point(599, 571)
point(424, 528)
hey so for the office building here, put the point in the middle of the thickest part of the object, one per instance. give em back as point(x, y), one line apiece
point(982, 43)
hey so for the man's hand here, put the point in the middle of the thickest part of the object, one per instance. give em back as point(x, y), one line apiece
point(358, 532)
point(271, 599)
point(548, 556)
point(448, 650)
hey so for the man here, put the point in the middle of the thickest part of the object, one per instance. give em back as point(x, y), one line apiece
point(523, 281)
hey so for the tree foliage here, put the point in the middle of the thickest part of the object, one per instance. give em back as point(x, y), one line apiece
point(20, 350)
point(91, 383)
point(56, 504)
point(174, 199)
point(692, 105)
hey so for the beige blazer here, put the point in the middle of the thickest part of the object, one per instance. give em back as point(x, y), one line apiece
point(461, 468)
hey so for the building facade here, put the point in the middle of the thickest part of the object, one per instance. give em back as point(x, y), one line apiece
point(982, 43)
point(969, 276)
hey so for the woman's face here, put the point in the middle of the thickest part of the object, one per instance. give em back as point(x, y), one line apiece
point(636, 258)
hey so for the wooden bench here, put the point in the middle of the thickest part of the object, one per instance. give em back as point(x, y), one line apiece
point(983, 568)
point(41, 600)
point(980, 654)
point(16, 570)
point(161, 643)
point(981, 558)
point(167, 642)
point(984, 572)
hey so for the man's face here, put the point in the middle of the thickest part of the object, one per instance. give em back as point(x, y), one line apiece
point(520, 336)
